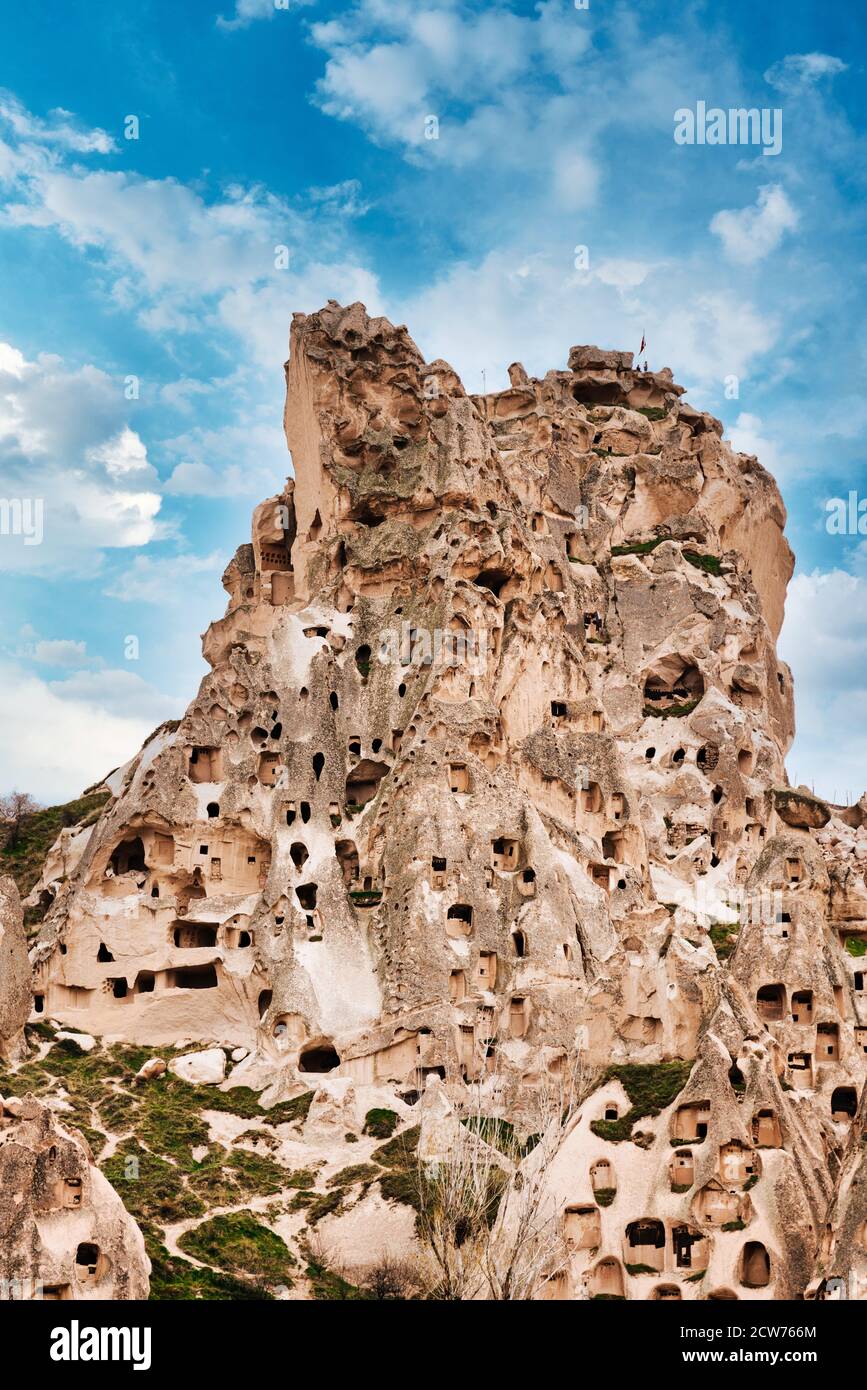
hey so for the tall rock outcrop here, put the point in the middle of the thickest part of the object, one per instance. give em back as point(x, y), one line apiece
point(15, 990)
point(488, 776)
point(64, 1233)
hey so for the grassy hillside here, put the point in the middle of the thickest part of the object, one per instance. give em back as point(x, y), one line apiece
point(38, 832)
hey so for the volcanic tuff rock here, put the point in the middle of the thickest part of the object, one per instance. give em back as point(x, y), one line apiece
point(487, 777)
point(62, 1226)
point(15, 991)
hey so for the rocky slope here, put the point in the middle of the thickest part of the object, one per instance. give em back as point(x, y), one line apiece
point(486, 783)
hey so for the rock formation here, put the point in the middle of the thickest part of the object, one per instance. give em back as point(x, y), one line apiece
point(64, 1233)
point(15, 991)
point(488, 777)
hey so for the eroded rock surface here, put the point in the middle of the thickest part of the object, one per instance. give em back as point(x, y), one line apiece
point(488, 777)
point(64, 1232)
point(15, 990)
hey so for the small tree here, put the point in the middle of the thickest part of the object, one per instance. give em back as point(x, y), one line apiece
point(13, 810)
point(485, 1210)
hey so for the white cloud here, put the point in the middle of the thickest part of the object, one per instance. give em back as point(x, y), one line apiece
point(163, 231)
point(123, 454)
point(60, 130)
point(799, 71)
point(750, 234)
point(575, 181)
point(260, 315)
point(183, 263)
point(60, 652)
point(824, 640)
point(340, 199)
point(514, 303)
point(168, 580)
point(57, 737)
point(246, 11)
point(481, 73)
point(623, 274)
point(747, 437)
point(242, 458)
point(64, 443)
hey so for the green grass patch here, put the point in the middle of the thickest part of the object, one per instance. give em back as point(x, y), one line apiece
point(649, 1088)
point(327, 1205)
point(358, 1172)
point(500, 1134)
point(401, 1185)
point(223, 1181)
point(724, 938)
point(326, 1286)
point(709, 564)
point(301, 1200)
point(151, 1189)
point(399, 1152)
point(670, 711)
point(856, 946)
point(380, 1124)
point(638, 547)
point(605, 1195)
point(241, 1245)
point(37, 833)
point(174, 1279)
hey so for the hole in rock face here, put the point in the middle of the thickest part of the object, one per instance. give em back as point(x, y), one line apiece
point(492, 579)
point(87, 1258)
point(306, 893)
point(128, 857)
point(213, 810)
point(299, 854)
point(318, 1057)
point(195, 935)
point(460, 912)
point(363, 781)
point(844, 1102)
point(196, 977)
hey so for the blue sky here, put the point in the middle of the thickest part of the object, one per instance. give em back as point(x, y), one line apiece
point(306, 127)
